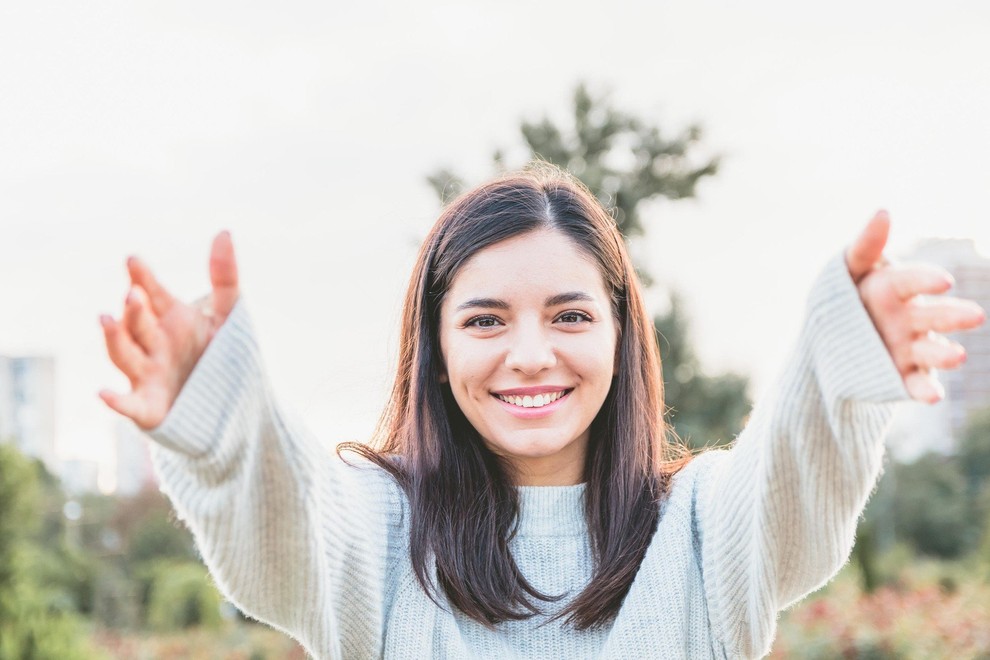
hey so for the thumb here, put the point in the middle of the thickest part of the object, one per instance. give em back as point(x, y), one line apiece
point(223, 275)
point(867, 249)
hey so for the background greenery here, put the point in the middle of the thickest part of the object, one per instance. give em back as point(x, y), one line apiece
point(102, 576)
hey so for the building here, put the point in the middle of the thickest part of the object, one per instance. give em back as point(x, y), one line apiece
point(79, 476)
point(27, 405)
point(918, 427)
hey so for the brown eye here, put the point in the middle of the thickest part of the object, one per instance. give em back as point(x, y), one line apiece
point(482, 322)
point(573, 317)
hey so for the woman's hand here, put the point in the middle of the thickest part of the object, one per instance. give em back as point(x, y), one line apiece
point(159, 339)
point(911, 326)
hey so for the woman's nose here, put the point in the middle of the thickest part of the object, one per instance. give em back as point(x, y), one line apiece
point(530, 351)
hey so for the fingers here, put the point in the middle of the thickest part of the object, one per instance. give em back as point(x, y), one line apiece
point(945, 315)
point(909, 280)
point(160, 299)
point(140, 322)
point(124, 353)
point(867, 250)
point(223, 275)
point(129, 405)
point(923, 386)
point(937, 352)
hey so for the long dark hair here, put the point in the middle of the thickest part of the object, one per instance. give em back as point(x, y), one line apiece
point(426, 443)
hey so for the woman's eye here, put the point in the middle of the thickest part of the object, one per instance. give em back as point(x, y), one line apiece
point(482, 322)
point(573, 317)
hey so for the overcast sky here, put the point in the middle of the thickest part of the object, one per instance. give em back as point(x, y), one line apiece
point(307, 128)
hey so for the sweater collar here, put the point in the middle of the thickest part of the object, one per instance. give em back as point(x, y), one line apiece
point(551, 510)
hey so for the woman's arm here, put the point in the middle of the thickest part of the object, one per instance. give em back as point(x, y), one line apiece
point(777, 514)
point(291, 534)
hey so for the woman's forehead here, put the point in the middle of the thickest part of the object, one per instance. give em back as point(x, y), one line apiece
point(545, 260)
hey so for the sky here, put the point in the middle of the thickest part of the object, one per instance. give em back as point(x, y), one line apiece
point(307, 129)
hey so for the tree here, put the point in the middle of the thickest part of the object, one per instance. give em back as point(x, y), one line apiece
point(974, 452)
point(34, 621)
point(627, 162)
point(931, 510)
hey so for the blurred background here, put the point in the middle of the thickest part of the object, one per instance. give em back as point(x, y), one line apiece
point(740, 147)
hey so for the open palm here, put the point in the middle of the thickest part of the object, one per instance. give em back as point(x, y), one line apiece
point(158, 340)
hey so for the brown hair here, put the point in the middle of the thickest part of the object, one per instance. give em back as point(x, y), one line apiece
point(426, 443)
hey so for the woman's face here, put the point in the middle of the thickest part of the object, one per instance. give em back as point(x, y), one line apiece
point(529, 346)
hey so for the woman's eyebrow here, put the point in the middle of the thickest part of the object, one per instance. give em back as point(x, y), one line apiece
point(569, 297)
point(552, 301)
point(488, 303)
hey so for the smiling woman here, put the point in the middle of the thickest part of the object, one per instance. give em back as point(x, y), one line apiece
point(520, 497)
point(530, 360)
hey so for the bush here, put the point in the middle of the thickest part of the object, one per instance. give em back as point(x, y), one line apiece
point(181, 595)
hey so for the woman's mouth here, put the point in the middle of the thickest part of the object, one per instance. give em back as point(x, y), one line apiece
point(532, 400)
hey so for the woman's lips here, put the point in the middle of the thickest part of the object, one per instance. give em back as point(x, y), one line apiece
point(535, 403)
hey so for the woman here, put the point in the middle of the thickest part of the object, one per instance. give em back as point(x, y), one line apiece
point(520, 499)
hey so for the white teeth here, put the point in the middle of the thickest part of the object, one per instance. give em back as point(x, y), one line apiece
point(537, 401)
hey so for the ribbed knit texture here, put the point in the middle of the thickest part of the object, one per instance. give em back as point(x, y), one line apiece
point(319, 548)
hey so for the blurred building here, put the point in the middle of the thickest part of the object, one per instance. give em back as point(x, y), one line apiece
point(920, 428)
point(134, 469)
point(27, 405)
point(79, 476)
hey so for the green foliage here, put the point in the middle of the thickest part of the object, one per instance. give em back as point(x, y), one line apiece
point(937, 506)
point(37, 620)
point(181, 596)
point(157, 536)
point(974, 452)
point(626, 162)
point(706, 410)
point(865, 555)
point(623, 159)
point(37, 627)
point(931, 510)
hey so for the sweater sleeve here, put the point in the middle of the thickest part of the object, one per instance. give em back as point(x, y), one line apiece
point(292, 535)
point(776, 515)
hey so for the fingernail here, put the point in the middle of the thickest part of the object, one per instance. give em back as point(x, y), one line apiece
point(106, 320)
point(131, 296)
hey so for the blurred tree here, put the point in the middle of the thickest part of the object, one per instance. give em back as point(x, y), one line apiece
point(706, 411)
point(931, 510)
point(36, 620)
point(181, 595)
point(627, 162)
point(623, 159)
point(974, 452)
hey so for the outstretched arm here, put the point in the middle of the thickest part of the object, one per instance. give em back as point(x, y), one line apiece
point(291, 534)
point(777, 514)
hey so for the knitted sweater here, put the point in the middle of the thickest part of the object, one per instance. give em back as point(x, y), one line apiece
point(319, 548)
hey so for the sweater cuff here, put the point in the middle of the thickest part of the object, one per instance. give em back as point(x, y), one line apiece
point(850, 359)
point(227, 376)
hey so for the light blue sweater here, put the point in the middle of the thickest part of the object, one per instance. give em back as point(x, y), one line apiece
point(319, 549)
